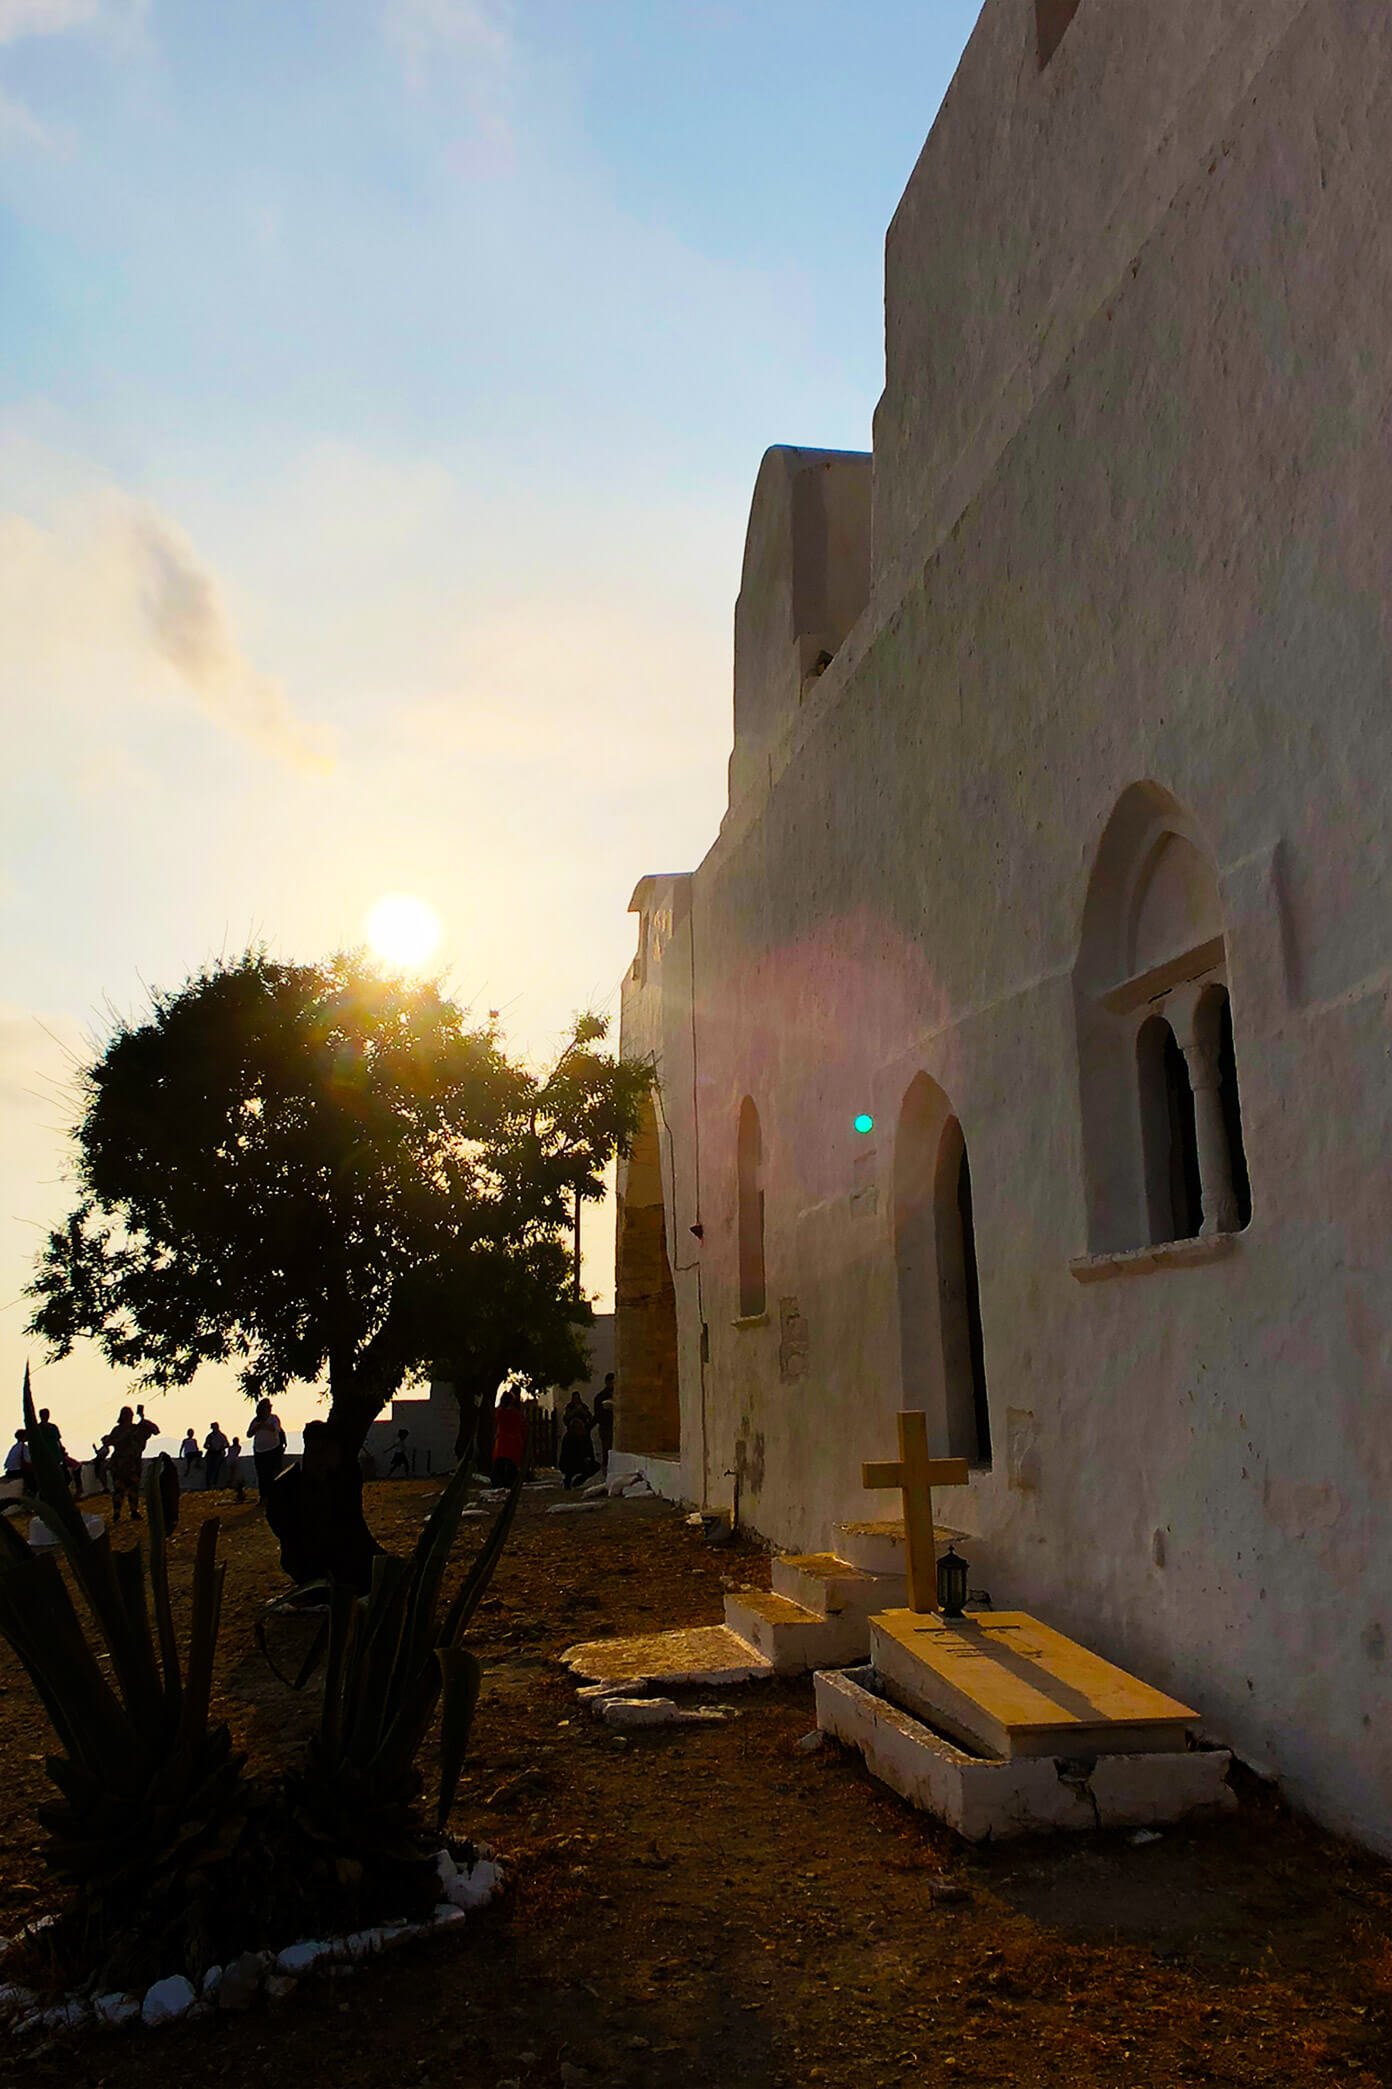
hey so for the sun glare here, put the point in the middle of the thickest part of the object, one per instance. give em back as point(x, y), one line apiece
point(403, 931)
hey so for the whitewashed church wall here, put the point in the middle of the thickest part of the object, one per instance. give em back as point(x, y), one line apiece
point(1178, 568)
point(1030, 200)
point(656, 1026)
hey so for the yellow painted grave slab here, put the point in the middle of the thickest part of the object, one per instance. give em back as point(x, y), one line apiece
point(1002, 1682)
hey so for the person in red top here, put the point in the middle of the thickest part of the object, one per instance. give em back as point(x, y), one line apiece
point(509, 1440)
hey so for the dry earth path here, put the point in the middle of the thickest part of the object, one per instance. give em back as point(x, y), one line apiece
point(714, 1906)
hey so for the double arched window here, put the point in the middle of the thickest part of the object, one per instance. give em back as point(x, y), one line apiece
point(1162, 1120)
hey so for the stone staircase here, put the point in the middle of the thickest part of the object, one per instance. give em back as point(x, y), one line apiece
point(817, 1615)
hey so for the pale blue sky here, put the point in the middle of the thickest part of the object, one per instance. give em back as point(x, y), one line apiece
point(384, 384)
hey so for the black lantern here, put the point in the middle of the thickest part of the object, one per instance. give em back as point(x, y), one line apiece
point(952, 1583)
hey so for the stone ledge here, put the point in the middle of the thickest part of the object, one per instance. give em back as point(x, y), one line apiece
point(1139, 1262)
point(751, 1320)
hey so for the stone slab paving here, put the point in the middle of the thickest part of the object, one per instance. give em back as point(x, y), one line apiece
point(709, 1656)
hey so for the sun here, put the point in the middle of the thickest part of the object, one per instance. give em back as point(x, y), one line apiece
point(403, 931)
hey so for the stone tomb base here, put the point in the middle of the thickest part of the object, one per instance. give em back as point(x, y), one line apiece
point(990, 1797)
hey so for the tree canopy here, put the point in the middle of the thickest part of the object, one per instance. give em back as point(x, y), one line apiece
point(321, 1171)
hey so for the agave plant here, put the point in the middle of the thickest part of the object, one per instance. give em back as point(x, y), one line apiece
point(393, 1658)
point(151, 1799)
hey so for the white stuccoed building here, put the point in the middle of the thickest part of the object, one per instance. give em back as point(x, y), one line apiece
point(1023, 1039)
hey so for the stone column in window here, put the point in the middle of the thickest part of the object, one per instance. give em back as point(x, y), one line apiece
point(1215, 1161)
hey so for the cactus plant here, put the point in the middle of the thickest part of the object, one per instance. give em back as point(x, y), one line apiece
point(393, 1656)
point(151, 1801)
point(173, 1858)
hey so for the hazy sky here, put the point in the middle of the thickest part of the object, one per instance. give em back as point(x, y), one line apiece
point(383, 386)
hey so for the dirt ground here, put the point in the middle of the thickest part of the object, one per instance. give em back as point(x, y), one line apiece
point(711, 1905)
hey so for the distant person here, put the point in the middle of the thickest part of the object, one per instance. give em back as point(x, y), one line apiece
point(305, 1507)
point(190, 1458)
point(234, 1472)
point(267, 1440)
point(604, 1419)
point(17, 1466)
point(47, 1429)
point(215, 1452)
point(577, 1411)
point(509, 1440)
point(126, 1443)
point(577, 1459)
point(101, 1459)
point(169, 1488)
point(400, 1457)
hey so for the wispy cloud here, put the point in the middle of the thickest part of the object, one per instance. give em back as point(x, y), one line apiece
point(22, 131)
point(422, 29)
point(188, 627)
point(21, 128)
point(110, 579)
point(473, 41)
point(45, 17)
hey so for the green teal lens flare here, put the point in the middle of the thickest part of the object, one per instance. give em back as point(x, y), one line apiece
point(865, 1122)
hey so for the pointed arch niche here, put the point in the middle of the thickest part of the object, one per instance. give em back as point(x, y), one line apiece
point(1163, 1148)
point(647, 1405)
point(942, 1353)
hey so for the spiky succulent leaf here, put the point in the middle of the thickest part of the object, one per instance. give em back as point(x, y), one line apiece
point(460, 1677)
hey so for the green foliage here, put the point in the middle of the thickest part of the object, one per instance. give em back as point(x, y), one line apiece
point(315, 1169)
point(151, 1798)
point(393, 1659)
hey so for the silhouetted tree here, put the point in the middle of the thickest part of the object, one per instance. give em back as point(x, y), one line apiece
point(324, 1174)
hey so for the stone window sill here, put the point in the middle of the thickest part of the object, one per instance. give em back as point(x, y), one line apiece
point(1138, 1262)
point(751, 1320)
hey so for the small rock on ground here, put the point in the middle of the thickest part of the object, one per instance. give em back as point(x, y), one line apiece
point(660, 1711)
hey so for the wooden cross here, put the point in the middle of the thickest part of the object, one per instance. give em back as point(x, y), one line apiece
point(916, 1474)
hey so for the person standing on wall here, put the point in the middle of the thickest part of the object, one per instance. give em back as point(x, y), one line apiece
point(17, 1466)
point(190, 1458)
point(215, 1451)
point(126, 1443)
point(267, 1440)
point(51, 1434)
point(234, 1473)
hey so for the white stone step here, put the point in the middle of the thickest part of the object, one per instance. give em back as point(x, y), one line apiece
point(876, 1545)
point(792, 1637)
point(832, 1586)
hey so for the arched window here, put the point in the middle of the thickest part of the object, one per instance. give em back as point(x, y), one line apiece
point(1174, 1193)
point(1162, 1123)
point(749, 1164)
point(942, 1348)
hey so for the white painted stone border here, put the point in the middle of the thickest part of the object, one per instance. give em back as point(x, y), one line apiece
point(271, 1974)
point(989, 1798)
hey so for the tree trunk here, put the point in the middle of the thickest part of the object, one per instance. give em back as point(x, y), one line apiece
point(476, 1392)
point(317, 1510)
